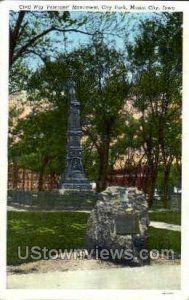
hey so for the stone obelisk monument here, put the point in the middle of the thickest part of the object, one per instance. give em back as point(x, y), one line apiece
point(74, 177)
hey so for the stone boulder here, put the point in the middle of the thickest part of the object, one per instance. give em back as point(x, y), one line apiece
point(117, 227)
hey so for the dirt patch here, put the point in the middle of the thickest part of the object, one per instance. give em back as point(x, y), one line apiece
point(72, 264)
point(62, 265)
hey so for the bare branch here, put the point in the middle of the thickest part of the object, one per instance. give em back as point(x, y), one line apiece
point(28, 44)
point(92, 137)
point(31, 41)
point(71, 30)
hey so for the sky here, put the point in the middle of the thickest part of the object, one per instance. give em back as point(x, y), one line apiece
point(128, 21)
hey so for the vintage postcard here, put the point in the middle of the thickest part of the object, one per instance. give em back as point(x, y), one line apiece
point(94, 149)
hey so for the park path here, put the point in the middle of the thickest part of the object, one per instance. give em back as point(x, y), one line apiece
point(157, 276)
point(155, 224)
point(163, 225)
point(162, 276)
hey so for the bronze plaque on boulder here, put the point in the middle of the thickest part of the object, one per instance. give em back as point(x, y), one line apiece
point(127, 224)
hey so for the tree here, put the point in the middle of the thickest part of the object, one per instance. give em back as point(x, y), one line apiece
point(103, 70)
point(170, 133)
point(14, 114)
point(31, 35)
point(40, 142)
point(157, 88)
point(101, 89)
point(29, 30)
point(44, 35)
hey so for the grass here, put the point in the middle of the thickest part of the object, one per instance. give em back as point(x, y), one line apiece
point(53, 230)
point(172, 217)
point(64, 230)
point(164, 239)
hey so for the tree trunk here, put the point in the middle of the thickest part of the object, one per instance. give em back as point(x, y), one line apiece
point(151, 186)
point(179, 168)
point(14, 35)
point(165, 189)
point(23, 179)
point(151, 179)
point(40, 181)
point(103, 168)
point(15, 175)
point(165, 185)
point(41, 174)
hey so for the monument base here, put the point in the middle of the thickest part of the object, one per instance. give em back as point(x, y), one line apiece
point(76, 199)
point(117, 230)
point(75, 180)
point(76, 186)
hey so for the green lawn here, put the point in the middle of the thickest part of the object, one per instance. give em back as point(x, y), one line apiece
point(53, 230)
point(164, 239)
point(172, 217)
point(64, 230)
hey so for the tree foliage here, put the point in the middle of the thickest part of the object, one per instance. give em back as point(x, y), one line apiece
point(36, 34)
point(101, 88)
point(156, 60)
point(29, 30)
point(130, 99)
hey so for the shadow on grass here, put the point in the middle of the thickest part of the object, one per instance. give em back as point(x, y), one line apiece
point(171, 217)
point(65, 230)
point(58, 230)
